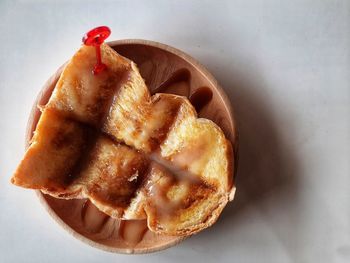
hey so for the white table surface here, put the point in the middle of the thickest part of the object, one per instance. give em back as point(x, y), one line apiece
point(285, 65)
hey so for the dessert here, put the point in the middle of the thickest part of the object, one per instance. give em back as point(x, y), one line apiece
point(135, 156)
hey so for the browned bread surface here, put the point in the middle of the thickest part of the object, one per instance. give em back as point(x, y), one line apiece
point(133, 155)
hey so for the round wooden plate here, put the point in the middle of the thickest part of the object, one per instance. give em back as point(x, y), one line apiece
point(165, 69)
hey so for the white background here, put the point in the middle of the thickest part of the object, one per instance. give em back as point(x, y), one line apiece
point(285, 65)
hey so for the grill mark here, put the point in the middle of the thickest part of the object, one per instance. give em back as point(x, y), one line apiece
point(157, 136)
point(136, 124)
point(142, 172)
point(158, 200)
point(123, 78)
point(143, 177)
point(90, 138)
point(111, 197)
point(163, 131)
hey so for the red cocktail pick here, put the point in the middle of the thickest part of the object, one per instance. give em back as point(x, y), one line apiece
point(95, 37)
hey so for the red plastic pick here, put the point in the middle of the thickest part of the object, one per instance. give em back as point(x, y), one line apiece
point(95, 37)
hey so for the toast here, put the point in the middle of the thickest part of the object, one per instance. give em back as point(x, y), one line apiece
point(135, 156)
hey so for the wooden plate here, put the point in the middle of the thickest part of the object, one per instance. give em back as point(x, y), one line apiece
point(165, 69)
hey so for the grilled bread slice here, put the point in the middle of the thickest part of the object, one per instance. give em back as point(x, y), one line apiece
point(135, 156)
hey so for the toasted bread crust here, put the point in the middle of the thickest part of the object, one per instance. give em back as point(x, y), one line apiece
point(132, 154)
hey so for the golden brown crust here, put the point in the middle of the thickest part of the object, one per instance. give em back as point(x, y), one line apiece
point(134, 156)
point(66, 140)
